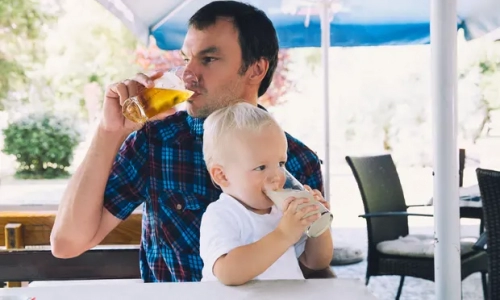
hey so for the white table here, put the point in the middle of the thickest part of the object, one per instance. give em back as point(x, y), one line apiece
point(468, 196)
point(314, 289)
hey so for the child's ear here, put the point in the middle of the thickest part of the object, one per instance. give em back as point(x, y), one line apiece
point(218, 176)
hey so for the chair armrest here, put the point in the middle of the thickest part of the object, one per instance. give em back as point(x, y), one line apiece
point(419, 205)
point(394, 214)
point(482, 242)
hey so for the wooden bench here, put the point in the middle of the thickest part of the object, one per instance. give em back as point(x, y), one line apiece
point(25, 252)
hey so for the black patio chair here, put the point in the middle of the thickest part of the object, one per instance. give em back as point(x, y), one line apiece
point(489, 186)
point(387, 221)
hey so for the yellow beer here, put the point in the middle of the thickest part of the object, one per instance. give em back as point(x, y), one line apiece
point(152, 102)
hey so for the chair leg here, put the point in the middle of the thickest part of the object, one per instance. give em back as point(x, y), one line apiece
point(485, 285)
point(367, 280)
point(400, 289)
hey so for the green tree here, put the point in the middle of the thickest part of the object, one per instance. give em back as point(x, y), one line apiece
point(23, 25)
point(88, 49)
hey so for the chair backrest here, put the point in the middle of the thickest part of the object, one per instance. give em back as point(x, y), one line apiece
point(461, 167)
point(489, 186)
point(381, 191)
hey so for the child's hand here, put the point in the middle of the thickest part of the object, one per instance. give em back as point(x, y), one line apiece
point(292, 225)
point(318, 196)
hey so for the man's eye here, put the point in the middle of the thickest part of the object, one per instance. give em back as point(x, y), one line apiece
point(207, 60)
point(282, 163)
point(186, 60)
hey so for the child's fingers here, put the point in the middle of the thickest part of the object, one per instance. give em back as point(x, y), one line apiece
point(293, 203)
point(309, 220)
point(325, 204)
point(305, 210)
point(287, 202)
point(317, 193)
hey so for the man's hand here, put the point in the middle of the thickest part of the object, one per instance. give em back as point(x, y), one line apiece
point(116, 94)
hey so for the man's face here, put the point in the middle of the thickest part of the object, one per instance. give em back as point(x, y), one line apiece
point(214, 55)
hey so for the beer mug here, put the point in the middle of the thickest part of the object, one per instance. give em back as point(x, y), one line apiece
point(293, 188)
point(168, 91)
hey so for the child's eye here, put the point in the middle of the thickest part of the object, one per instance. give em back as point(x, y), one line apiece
point(260, 168)
point(282, 164)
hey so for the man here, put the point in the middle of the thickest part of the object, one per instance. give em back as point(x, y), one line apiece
point(233, 50)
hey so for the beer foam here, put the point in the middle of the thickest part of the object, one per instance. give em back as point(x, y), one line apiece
point(170, 81)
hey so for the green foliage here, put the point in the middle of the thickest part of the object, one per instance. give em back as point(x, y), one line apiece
point(43, 144)
point(87, 45)
point(10, 72)
point(23, 24)
point(59, 59)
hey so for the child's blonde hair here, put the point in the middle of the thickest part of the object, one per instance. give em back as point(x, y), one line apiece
point(228, 121)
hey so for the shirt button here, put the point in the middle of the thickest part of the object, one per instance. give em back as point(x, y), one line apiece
point(179, 207)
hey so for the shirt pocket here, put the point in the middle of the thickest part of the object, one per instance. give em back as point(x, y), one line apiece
point(178, 220)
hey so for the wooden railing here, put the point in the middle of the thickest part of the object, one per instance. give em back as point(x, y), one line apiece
point(25, 253)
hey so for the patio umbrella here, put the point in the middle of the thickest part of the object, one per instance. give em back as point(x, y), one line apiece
point(326, 23)
point(353, 22)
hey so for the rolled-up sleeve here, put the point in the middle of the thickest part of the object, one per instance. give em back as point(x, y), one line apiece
point(128, 181)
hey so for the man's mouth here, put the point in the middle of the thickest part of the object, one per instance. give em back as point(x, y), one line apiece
point(193, 96)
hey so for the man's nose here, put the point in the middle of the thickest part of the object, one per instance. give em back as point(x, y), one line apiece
point(190, 78)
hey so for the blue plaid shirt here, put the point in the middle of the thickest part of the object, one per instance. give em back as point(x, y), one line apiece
point(162, 166)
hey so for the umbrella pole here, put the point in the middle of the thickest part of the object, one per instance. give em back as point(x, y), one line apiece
point(325, 46)
point(445, 151)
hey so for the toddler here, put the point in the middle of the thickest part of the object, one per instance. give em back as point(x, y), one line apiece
point(243, 235)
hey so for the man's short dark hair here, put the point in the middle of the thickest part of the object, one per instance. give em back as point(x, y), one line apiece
point(256, 33)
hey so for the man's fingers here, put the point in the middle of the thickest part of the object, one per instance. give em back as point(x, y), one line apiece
point(130, 88)
point(122, 91)
point(133, 87)
point(156, 75)
point(144, 80)
point(148, 80)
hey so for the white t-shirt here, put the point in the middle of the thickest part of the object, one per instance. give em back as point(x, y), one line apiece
point(227, 224)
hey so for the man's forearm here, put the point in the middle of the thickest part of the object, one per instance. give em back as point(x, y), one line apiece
point(244, 263)
point(318, 251)
point(81, 207)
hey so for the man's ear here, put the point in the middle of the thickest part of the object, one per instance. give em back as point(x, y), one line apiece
point(258, 70)
point(218, 175)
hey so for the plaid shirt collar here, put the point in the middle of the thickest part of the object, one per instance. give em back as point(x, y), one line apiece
point(196, 124)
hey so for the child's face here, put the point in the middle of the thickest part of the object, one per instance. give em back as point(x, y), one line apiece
point(256, 161)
